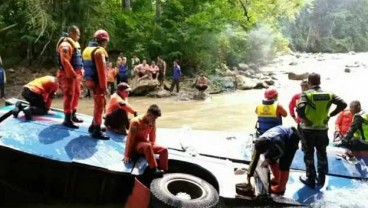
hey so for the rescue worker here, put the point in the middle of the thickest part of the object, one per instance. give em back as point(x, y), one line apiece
point(269, 112)
point(39, 93)
point(141, 139)
point(313, 109)
point(342, 124)
point(357, 136)
point(95, 59)
point(295, 99)
point(278, 145)
point(118, 109)
point(70, 74)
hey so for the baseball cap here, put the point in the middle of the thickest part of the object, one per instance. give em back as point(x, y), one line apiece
point(124, 87)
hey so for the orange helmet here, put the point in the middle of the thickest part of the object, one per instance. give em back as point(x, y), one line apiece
point(101, 35)
point(270, 94)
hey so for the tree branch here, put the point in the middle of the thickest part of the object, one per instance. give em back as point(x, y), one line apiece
point(245, 9)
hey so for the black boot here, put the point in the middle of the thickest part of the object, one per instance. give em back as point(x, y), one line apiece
point(27, 113)
point(321, 180)
point(91, 128)
point(68, 121)
point(309, 181)
point(75, 119)
point(98, 134)
point(18, 107)
point(157, 173)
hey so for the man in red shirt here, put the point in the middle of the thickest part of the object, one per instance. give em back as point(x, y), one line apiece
point(142, 140)
point(295, 99)
point(118, 109)
point(342, 124)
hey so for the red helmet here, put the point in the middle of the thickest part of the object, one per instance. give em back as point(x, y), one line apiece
point(271, 94)
point(101, 35)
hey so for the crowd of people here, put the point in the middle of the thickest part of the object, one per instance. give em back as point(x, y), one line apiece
point(310, 109)
point(91, 65)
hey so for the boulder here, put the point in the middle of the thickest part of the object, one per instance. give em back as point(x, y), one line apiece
point(298, 76)
point(245, 83)
point(228, 82)
point(293, 63)
point(347, 70)
point(144, 86)
point(243, 67)
point(230, 73)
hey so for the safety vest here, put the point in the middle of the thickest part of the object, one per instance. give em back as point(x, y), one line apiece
point(2, 80)
point(90, 70)
point(362, 132)
point(76, 60)
point(267, 116)
point(317, 108)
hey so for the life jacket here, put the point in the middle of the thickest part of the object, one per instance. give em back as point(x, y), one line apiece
point(317, 108)
point(123, 70)
point(2, 75)
point(76, 60)
point(362, 132)
point(90, 69)
point(267, 116)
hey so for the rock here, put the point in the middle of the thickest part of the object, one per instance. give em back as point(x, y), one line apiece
point(298, 55)
point(243, 67)
point(254, 67)
point(230, 73)
point(347, 70)
point(11, 70)
point(261, 84)
point(143, 86)
point(245, 83)
point(352, 52)
point(185, 96)
point(293, 63)
point(228, 82)
point(268, 80)
point(300, 76)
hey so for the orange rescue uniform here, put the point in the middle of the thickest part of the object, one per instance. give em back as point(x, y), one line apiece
point(144, 143)
point(343, 122)
point(45, 86)
point(117, 102)
point(99, 86)
point(70, 78)
point(111, 74)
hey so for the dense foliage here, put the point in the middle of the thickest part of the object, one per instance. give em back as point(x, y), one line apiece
point(202, 34)
point(330, 26)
